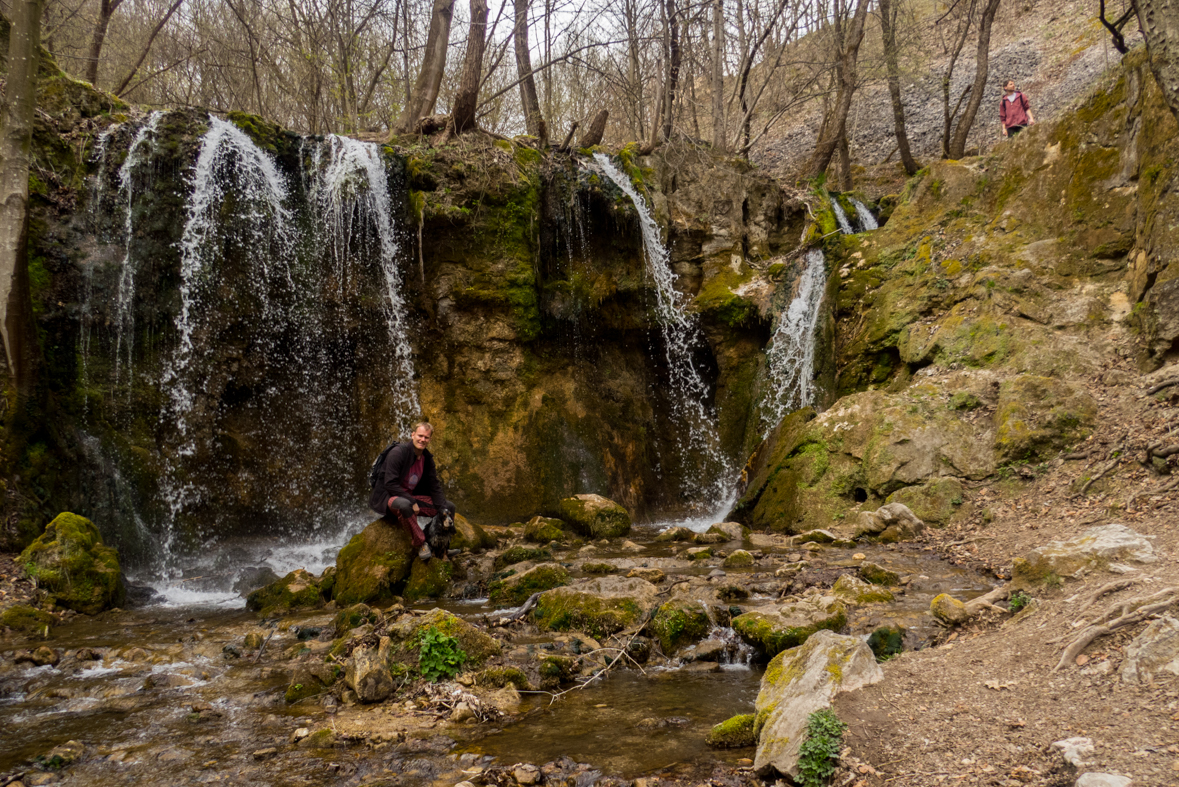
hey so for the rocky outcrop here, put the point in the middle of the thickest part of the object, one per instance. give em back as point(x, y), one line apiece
point(799, 682)
point(73, 565)
point(1105, 548)
point(594, 516)
point(598, 607)
point(788, 625)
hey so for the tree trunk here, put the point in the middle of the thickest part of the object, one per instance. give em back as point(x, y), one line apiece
point(845, 173)
point(106, 10)
point(981, 68)
point(596, 131)
point(947, 81)
point(889, 33)
point(719, 142)
point(16, 141)
point(425, 90)
point(147, 48)
point(673, 67)
point(533, 120)
point(825, 147)
point(1159, 20)
point(467, 97)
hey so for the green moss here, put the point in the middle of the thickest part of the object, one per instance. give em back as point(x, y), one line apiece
point(886, 642)
point(516, 589)
point(70, 562)
point(297, 590)
point(520, 554)
point(373, 564)
point(428, 580)
point(770, 636)
point(25, 620)
point(678, 624)
point(599, 569)
point(499, 677)
point(301, 691)
point(567, 610)
point(542, 530)
point(734, 733)
point(595, 518)
point(477, 645)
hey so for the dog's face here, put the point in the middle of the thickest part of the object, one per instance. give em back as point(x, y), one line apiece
point(438, 533)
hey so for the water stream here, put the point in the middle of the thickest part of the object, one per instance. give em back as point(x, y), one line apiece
point(840, 216)
point(864, 216)
point(790, 359)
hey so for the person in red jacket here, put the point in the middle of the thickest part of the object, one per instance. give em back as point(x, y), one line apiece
point(411, 487)
point(1015, 113)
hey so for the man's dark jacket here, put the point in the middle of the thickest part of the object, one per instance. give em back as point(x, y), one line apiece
point(397, 463)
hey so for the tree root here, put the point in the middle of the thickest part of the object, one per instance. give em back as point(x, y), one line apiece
point(1115, 460)
point(1152, 390)
point(1127, 613)
point(1167, 487)
point(1101, 592)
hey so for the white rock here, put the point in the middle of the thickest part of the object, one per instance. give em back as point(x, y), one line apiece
point(1097, 548)
point(1153, 651)
point(825, 665)
point(1103, 780)
point(1074, 750)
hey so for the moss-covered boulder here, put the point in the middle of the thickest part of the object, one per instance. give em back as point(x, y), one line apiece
point(786, 626)
point(478, 646)
point(502, 677)
point(856, 591)
point(738, 558)
point(797, 683)
point(514, 555)
point(886, 642)
point(679, 623)
point(428, 579)
point(24, 619)
point(594, 516)
point(468, 535)
point(1103, 548)
point(297, 590)
point(353, 617)
point(71, 563)
point(543, 530)
point(934, 502)
point(1041, 415)
point(734, 733)
point(948, 609)
point(373, 565)
point(878, 575)
point(515, 588)
point(675, 534)
point(310, 679)
point(599, 607)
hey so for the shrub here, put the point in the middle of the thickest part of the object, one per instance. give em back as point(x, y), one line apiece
point(440, 656)
point(820, 751)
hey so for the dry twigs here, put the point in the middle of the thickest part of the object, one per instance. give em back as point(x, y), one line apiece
point(1118, 616)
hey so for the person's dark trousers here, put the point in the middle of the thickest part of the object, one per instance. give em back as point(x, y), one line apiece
point(402, 510)
point(1013, 130)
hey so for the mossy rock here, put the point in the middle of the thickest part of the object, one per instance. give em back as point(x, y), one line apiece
point(516, 555)
point(878, 575)
point(373, 565)
point(698, 553)
point(934, 502)
point(594, 516)
point(887, 641)
point(678, 624)
point(25, 619)
point(309, 680)
point(516, 589)
point(790, 624)
point(599, 569)
point(738, 558)
point(297, 590)
point(1041, 415)
point(70, 562)
point(557, 669)
point(468, 535)
point(599, 607)
point(428, 579)
point(857, 591)
point(542, 530)
point(501, 677)
point(476, 644)
point(734, 733)
point(675, 534)
point(948, 609)
point(352, 617)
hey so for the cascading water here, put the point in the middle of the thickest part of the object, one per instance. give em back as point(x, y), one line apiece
point(137, 155)
point(698, 433)
point(840, 216)
point(864, 216)
point(790, 360)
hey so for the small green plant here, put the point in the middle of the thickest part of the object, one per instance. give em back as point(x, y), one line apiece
point(440, 656)
point(1018, 601)
point(820, 751)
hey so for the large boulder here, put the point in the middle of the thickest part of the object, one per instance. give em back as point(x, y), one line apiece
point(799, 682)
point(683, 619)
point(1038, 415)
point(890, 523)
point(934, 501)
point(373, 565)
point(854, 590)
point(25, 619)
point(542, 530)
point(525, 580)
point(297, 590)
point(1153, 652)
point(428, 579)
point(599, 607)
point(594, 516)
point(71, 563)
point(786, 626)
point(468, 535)
point(475, 643)
point(367, 672)
point(1108, 547)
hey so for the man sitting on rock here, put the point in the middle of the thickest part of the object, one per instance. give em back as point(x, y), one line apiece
point(408, 472)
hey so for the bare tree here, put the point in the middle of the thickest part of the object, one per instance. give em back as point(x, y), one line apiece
point(467, 98)
point(429, 81)
point(533, 120)
point(719, 135)
point(849, 35)
point(957, 147)
point(106, 9)
point(888, 33)
point(16, 140)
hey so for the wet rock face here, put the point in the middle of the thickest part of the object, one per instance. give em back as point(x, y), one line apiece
point(372, 566)
point(594, 516)
point(299, 589)
point(71, 562)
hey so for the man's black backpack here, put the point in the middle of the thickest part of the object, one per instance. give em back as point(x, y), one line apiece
point(376, 473)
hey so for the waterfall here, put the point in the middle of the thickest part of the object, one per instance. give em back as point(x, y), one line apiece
point(124, 318)
point(699, 433)
point(351, 193)
point(864, 216)
point(844, 225)
point(790, 360)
